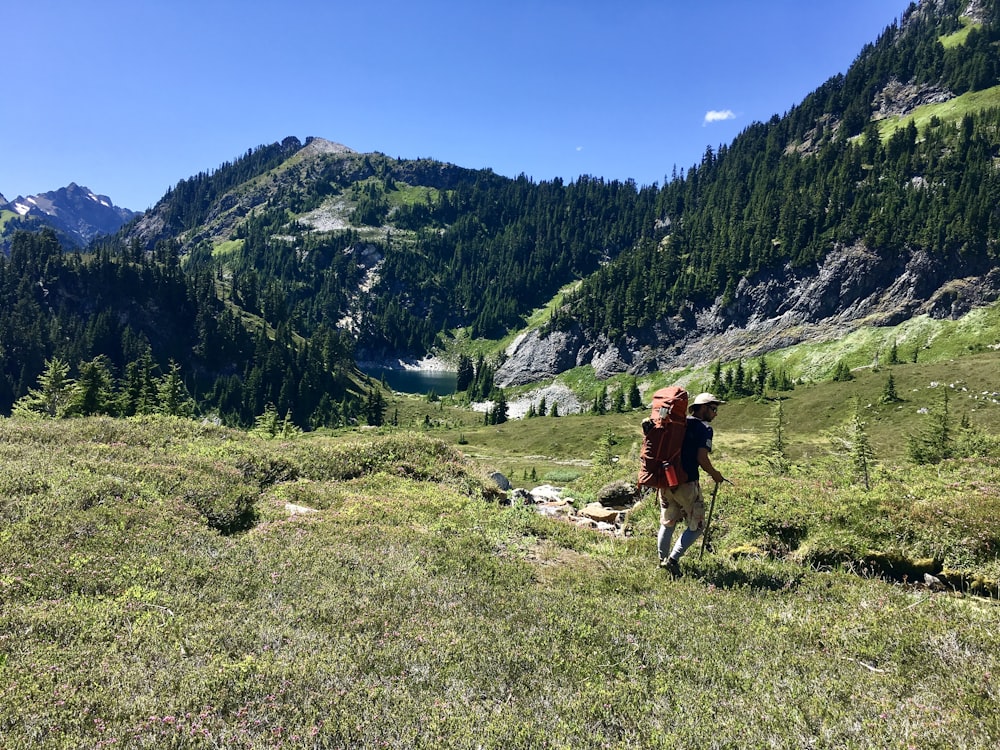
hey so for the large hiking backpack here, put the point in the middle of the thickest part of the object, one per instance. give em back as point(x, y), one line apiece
point(663, 434)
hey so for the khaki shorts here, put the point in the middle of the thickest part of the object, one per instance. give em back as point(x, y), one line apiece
point(684, 502)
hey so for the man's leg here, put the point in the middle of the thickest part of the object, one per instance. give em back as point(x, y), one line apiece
point(669, 513)
point(687, 539)
point(690, 498)
point(663, 539)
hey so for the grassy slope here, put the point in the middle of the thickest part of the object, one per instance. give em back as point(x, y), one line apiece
point(412, 610)
point(6, 216)
point(952, 110)
point(962, 354)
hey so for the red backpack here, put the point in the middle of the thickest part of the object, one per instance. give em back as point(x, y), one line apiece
point(663, 434)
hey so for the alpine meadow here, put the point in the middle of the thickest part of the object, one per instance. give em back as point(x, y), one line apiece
point(217, 531)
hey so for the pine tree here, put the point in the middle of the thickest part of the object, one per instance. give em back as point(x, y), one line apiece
point(893, 354)
point(603, 458)
point(634, 396)
point(776, 455)
point(618, 402)
point(842, 373)
point(174, 397)
point(889, 395)
point(934, 442)
point(375, 407)
point(53, 396)
point(267, 424)
point(739, 380)
point(717, 386)
point(600, 402)
point(862, 454)
point(94, 390)
point(465, 373)
point(760, 379)
point(499, 412)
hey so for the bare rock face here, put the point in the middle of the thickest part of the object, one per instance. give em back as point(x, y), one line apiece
point(898, 99)
point(532, 357)
point(851, 287)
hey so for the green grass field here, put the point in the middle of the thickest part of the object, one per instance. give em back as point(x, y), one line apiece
point(157, 594)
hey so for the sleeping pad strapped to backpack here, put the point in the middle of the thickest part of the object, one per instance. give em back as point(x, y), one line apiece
point(663, 434)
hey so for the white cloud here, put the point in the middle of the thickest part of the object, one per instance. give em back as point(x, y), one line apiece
point(718, 115)
point(579, 148)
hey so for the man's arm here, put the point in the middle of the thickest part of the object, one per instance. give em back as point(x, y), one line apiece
point(706, 463)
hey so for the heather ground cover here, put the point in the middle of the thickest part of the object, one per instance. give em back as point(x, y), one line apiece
point(156, 593)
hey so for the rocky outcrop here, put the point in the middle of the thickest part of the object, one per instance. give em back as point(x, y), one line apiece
point(609, 515)
point(852, 286)
point(897, 99)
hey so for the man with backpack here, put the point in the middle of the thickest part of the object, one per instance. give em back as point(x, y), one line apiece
point(686, 499)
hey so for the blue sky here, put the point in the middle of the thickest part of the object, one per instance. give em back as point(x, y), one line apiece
point(128, 98)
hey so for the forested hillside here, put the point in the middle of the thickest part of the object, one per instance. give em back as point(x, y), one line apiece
point(835, 171)
point(140, 335)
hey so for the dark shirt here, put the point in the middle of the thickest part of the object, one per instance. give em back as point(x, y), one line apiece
point(697, 435)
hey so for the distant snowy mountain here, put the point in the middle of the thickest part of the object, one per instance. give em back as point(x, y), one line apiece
point(76, 213)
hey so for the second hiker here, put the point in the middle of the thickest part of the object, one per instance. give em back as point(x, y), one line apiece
point(687, 501)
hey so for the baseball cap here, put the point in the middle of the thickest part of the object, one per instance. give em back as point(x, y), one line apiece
point(706, 398)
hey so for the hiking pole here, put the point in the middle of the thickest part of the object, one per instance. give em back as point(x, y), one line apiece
point(708, 521)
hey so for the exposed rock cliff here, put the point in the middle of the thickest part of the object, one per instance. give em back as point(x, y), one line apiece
point(853, 286)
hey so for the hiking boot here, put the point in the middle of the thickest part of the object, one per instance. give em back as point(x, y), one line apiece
point(672, 567)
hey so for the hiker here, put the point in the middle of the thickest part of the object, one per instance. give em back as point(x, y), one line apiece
point(687, 501)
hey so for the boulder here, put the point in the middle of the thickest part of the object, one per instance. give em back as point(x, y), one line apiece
point(618, 494)
point(501, 481)
point(597, 512)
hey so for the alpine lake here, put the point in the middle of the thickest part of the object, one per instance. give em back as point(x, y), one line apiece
point(440, 382)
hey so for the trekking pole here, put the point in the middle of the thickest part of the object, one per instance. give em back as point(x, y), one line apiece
point(708, 521)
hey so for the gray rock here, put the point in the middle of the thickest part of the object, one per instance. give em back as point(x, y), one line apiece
point(618, 494)
point(501, 481)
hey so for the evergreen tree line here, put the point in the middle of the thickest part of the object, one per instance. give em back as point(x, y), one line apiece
point(188, 203)
point(120, 323)
point(738, 381)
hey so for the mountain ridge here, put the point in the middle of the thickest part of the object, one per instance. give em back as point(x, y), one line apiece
point(76, 213)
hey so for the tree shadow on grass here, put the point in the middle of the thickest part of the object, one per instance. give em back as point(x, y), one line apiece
point(761, 575)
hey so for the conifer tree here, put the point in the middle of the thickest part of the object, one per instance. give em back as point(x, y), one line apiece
point(893, 353)
point(499, 413)
point(739, 380)
point(618, 401)
point(776, 455)
point(53, 395)
point(93, 392)
point(889, 395)
point(603, 458)
point(174, 397)
point(466, 372)
point(862, 454)
point(634, 396)
point(375, 407)
point(717, 385)
point(934, 442)
point(842, 373)
point(760, 378)
point(600, 401)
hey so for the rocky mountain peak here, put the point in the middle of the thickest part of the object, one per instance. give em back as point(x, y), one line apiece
point(317, 146)
point(77, 213)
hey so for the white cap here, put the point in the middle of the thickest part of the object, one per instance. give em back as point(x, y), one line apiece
point(706, 398)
